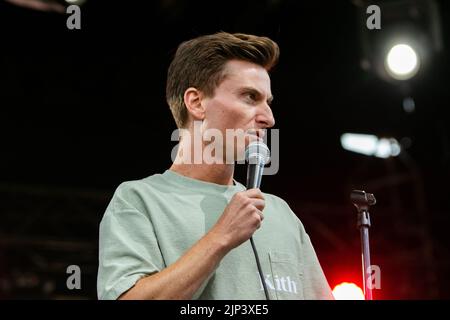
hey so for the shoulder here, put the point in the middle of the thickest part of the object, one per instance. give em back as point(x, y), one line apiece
point(137, 185)
point(134, 193)
point(276, 200)
point(156, 182)
point(282, 209)
point(279, 205)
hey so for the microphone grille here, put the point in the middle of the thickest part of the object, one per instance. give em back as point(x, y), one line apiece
point(257, 151)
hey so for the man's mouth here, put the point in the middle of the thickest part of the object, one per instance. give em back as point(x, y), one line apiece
point(258, 133)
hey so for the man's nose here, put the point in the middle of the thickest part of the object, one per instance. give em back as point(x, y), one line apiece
point(265, 118)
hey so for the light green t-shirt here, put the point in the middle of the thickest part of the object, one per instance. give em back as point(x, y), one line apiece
point(150, 223)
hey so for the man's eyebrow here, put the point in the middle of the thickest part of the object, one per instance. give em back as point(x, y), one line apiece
point(255, 91)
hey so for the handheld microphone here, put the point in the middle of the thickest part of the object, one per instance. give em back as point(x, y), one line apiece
point(257, 155)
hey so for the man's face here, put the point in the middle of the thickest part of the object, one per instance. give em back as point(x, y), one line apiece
point(241, 101)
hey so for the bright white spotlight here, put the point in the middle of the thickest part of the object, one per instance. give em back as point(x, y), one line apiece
point(370, 145)
point(402, 62)
point(359, 143)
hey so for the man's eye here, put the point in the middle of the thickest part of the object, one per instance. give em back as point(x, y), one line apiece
point(251, 96)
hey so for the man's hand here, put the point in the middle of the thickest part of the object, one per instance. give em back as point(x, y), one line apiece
point(241, 218)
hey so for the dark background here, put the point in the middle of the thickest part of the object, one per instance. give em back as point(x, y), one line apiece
point(83, 110)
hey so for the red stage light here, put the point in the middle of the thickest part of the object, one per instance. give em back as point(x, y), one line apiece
point(348, 291)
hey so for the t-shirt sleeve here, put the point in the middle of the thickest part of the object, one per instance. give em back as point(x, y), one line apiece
point(315, 284)
point(128, 247)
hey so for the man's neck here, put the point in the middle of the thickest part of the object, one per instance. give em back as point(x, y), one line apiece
point(214, 173)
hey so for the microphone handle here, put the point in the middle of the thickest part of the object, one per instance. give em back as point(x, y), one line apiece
point(254, 175)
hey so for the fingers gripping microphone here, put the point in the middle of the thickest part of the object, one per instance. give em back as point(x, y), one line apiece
point(257, 155)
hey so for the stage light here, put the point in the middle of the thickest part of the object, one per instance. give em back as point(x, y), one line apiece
point(402, 62)
point(370, 145)
point(348, 291)
point(77, 2)
point(408, 38)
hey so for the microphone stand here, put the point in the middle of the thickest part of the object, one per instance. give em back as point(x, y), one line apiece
point(362, 201)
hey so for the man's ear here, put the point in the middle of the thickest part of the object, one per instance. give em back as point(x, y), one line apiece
point(192, 100)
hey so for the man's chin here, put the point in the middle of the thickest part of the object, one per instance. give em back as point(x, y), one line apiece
point(249, 138)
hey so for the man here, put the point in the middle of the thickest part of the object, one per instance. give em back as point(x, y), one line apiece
point(184, 234)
